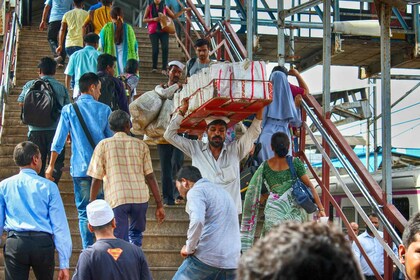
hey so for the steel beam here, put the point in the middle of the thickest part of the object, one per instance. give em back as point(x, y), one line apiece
point(386, 101)
point(302, 7)
point(416, 24)
point(398, 77)
point(281, 48)
point(207, 16)
point(326, 58)
point(227, 10)
point(249, 28)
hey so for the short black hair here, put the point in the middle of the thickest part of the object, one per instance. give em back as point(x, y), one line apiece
point(86, 80)
point(105, 60)
point(118, 120)
point(202, 42)
point(411, 230)
point(24, 152)
point(280, 68)
point(99, 228)
point(91, 38)
point(280, 143)
point(373, 214)
point(78, 2)
point(190, 173)
point(132, 66)
point(47, 66)
point(217, 122)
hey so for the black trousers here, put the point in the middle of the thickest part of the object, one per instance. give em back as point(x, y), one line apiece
point(43, 139)
point(171, 160)
point(52, 35)
point(368, 277)
point(21, 252)
point(163, 37)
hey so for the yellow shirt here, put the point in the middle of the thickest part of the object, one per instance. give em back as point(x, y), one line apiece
point(74, 20)
point(101, 17)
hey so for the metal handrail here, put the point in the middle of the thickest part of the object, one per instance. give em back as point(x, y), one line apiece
point(368, 197)
point(334, 141)
point(366, 179)
point(9, 61)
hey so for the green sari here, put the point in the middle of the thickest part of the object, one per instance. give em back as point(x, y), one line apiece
point(280, 205)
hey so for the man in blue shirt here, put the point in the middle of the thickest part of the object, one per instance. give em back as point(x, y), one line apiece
point(82, 61)
point(56, 10)
point(373, 249)
point(43, 136)
point(95, 115)
point(32, 213)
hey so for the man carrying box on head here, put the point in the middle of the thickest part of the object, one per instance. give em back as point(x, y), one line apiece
point(216, 160)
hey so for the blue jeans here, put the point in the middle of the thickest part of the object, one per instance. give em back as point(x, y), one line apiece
point(171, 160)
point(72, 50)
point(193, 268)
point(81, 198)
point(136, 213)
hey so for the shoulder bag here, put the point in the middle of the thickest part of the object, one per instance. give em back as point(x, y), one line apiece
point(84, 126)
point(300, 191)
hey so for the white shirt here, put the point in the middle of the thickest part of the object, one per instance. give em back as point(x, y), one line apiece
point(213, 233)
point(225, 170)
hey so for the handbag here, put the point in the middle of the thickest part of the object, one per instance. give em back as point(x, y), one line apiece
point(167, 24)
point(300, 191)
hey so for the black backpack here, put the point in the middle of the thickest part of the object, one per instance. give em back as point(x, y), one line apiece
point(40, 106)
point(108, 92)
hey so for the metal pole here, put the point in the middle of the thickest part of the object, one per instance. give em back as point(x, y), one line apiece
point(375, 126)
point(249, 28)
point(326, 58)
point(255, 18)
point(281, 49)
point(227, 10)
point(367, 144)
point(386, 101)
point(416, 24)
point(207, 16)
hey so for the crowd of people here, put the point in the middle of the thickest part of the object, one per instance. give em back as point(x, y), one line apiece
point(113, 176)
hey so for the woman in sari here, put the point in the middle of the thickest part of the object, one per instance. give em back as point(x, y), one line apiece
point(118, 39)
point(280, 206)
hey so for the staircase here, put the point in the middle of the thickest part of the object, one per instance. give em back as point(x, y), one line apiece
point(162, 243)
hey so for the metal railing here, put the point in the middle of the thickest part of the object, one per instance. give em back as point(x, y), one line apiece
point(225, 43)
point(371, 191)
point(9, 59)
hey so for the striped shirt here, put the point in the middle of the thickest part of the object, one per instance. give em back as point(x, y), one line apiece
point(122, 162)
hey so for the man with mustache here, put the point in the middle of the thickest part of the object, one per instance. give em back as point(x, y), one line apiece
point(217, 161)
point(171, 158)
point(373, 249)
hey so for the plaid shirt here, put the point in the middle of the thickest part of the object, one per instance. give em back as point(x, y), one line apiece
point(122, 162)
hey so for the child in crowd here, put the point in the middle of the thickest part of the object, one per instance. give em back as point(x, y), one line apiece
point(131, 78)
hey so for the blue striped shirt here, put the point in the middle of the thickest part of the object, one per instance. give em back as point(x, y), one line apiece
point(29, 202)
